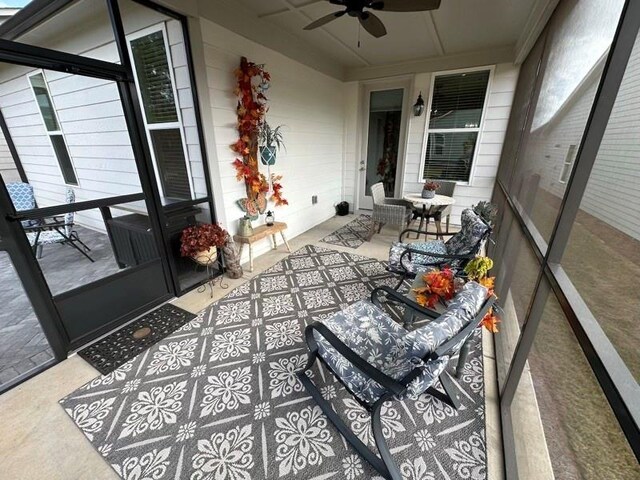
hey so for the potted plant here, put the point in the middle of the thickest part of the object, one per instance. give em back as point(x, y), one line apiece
point(201, 242)
point(270, 142)
point(429, 189)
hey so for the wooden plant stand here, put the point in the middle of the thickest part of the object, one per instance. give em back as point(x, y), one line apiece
point(260, 233)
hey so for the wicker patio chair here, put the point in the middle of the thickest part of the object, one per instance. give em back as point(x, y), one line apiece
point(390, 211)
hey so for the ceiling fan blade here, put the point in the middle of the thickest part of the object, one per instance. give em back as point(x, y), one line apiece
point(372, 24)
point(324, 20)
point(405, 5)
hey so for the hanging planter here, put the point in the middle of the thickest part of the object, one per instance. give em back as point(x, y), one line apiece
point(271, 140)
point(268, 155)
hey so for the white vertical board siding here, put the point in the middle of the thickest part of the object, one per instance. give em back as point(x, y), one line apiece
point(501, 90)
point(351, 143)
point(92, 120)
point(308, 103)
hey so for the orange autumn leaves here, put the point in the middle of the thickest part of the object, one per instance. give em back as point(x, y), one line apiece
point(251, 110)
point(440, 285)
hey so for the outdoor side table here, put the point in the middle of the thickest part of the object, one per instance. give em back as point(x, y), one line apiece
point(438, 202)
point(260, 233)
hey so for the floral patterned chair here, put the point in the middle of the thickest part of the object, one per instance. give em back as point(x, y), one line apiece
point(409, 259)
point(378, 360)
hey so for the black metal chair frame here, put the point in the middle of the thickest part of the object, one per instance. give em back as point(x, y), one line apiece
point(60, 227)
point(446, 258)
point(384, 464)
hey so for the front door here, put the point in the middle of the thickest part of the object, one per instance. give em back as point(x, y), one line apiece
point(383, 146)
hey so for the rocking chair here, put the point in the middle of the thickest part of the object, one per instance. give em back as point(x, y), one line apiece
point(409, 364)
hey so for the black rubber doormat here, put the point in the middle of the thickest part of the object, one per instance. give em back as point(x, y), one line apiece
point(126, 343)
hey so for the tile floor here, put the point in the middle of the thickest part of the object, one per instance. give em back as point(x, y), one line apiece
point(38, 440)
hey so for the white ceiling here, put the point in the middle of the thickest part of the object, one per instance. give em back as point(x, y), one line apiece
point(458, 26)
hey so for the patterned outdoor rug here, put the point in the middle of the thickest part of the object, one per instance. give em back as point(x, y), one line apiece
point(219, 399)
point(128, 342)
point(351, 235)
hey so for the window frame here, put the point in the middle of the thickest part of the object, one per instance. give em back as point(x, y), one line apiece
point(148, 127)
point(50, 133)
point(479, 129)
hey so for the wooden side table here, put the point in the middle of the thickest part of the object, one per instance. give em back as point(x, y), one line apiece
point(260, 233)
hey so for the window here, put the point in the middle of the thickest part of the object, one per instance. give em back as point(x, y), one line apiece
point(52, 126)
point(457, 105)
point(568, 163)
point(156, 86)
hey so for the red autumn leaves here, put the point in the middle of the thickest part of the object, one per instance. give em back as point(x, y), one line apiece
point(251, 110)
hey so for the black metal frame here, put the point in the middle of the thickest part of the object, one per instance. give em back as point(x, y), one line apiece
point(446, 258)
point(617, 383)
point(384, 464)
point(122, 75)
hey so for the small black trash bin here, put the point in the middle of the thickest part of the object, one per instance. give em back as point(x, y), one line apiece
point(342, 209)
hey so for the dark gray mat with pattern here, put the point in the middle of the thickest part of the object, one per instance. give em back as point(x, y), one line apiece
point(219, 399)
point(351, 235)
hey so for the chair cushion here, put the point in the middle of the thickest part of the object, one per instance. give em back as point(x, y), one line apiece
point(382, 342)
point(46, 237)
point(472, 230)
point(419, 263)
point(22, 197)
point(423, 341)
point(374, 336)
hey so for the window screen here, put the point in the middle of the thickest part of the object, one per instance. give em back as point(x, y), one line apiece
point(52, 126)
point(154, 78)
point(66, 167)
point(44, 102)
point(167, 146)
point(457, 104)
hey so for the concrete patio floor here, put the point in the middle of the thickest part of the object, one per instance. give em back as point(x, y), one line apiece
point(42, 442)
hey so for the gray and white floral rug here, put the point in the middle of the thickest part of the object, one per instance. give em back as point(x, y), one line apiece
point(351, 235)
point(218, 399)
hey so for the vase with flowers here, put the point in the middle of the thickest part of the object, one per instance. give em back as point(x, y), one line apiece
point(201, 242)
point(429, 189)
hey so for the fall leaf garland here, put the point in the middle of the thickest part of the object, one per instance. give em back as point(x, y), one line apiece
point(251, 109)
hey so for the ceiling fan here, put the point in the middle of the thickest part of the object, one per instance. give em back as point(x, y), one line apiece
point(370, 22)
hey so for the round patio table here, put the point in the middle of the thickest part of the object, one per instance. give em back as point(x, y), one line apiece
point(430, 208)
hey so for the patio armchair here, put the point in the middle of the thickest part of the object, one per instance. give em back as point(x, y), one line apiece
point(392, 211)
point(408, 364)
point(409, 259)
point(46, 231)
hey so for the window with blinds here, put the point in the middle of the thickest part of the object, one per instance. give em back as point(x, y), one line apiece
point(52, 126)
point(155, 81)
point(457, 104)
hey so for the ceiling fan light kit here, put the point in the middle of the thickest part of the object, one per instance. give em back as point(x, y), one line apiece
point(369, 21)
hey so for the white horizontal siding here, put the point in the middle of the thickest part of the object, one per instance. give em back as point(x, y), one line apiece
point(92, 120)
point(613, 192)
point(8, 168)
point(491, 138)
point(308, 103)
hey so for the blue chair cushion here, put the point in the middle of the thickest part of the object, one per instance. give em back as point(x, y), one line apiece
point(46, 237)
point(375, 337)
point(382, 342)
point(472, 230)
point(22, 197)
point(418, 263)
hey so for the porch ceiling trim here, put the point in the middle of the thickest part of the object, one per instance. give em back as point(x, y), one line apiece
point(30, 16)
point(434, 64)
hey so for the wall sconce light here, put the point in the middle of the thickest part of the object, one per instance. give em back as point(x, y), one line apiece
point(418, 107)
